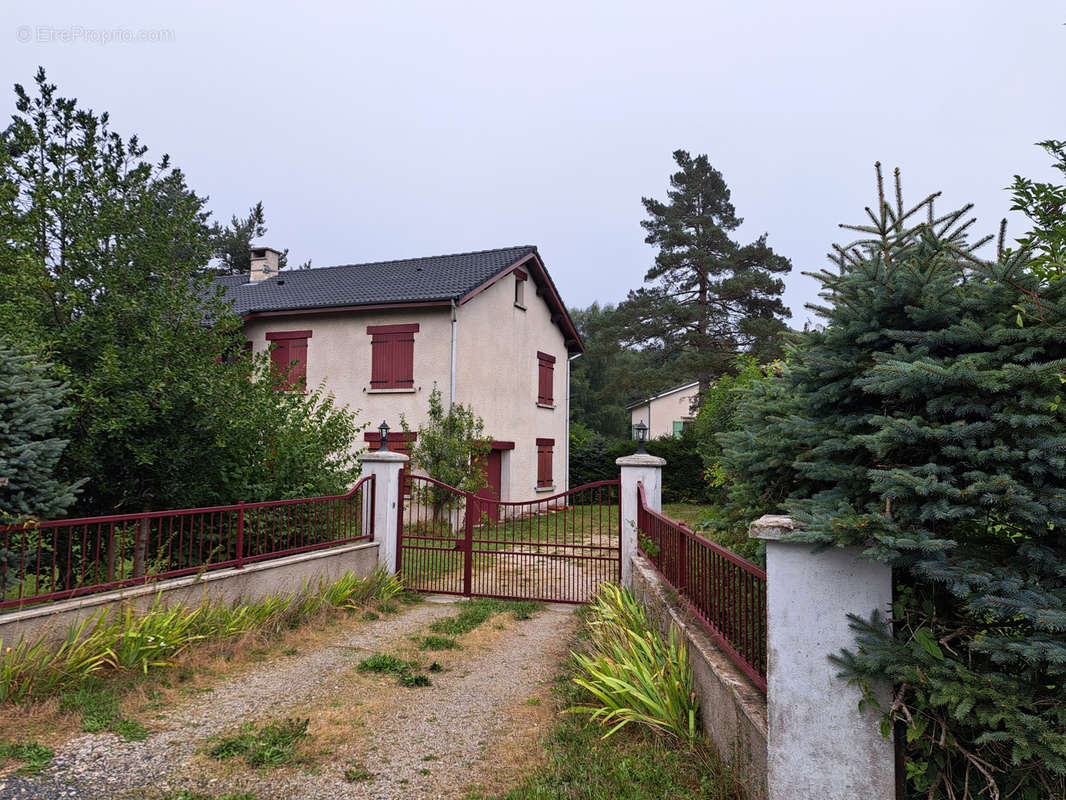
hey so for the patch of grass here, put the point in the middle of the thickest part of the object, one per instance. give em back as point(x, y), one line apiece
point(272, 745)
point(473, 613)
point(130, 730)
point(414, 679)
point(532, 701)
point(186, 795)
point(409, 598)
point(370, 616)
point(35, 757)
point(383, 664)
point(290, 651)
point(439, 643)
point(388, 608)
point(435, 667)
point(356, 773)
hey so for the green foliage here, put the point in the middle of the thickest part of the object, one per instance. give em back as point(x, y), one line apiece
point(35, 668)
point(273, 745)
point(475, 612)
point(592, 458)
point(921, 424)
point(35, 757)
point(448, 448)
point(31, 410)
point(439, 643)
point(104, 273)
point(384, 664)
point(632, 674)
point(712, 297)
point(98, 705)
point(1045, 206)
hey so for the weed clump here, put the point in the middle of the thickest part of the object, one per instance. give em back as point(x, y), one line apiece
point(272, 745)
point(35, 757)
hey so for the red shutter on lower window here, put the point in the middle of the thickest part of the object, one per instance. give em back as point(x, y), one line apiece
point(545, 377)
point(544, 462)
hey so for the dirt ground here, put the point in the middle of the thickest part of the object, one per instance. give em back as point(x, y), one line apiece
point(473, 732)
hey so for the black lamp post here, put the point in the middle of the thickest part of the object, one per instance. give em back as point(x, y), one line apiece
point(642, 436)
point(383, 430)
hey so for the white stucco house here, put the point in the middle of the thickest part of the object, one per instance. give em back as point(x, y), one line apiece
point(487, 328)
point(667, 413)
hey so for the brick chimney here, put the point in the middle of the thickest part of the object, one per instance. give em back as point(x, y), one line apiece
point(264, 264)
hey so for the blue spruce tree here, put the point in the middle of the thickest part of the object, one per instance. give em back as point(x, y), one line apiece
point(922, 424)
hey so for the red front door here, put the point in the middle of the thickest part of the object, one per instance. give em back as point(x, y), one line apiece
point(494, 475)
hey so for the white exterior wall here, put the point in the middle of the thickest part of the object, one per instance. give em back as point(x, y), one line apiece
point(338, 353)
point(660, 413)
point(497, 345)
point(496, 356)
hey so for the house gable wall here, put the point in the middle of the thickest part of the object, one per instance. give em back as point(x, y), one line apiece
point(664, 411)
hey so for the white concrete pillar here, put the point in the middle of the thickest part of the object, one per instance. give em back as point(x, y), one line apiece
point(819, 744)
point(637, 468)
point(385, 466)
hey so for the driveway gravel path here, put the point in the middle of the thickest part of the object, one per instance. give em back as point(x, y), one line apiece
point(432, 742)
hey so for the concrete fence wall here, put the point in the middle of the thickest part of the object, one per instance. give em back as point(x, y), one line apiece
point(252, 582)
point(807, 737)
point(732, 709)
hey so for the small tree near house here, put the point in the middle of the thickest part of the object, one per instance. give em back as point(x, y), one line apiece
point(450, 448)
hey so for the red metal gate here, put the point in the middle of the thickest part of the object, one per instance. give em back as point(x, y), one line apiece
point(556, 549)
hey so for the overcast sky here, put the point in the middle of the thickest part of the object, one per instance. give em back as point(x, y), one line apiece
point(379, 130)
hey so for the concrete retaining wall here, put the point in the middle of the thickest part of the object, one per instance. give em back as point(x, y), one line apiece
point(732, 709)
point(253, 582)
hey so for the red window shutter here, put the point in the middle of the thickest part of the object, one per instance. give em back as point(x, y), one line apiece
point(545, 378)
point(544, 462)
point(288, 353)
point(392, 360)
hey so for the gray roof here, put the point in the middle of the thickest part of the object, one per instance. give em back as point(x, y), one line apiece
point(412, 280)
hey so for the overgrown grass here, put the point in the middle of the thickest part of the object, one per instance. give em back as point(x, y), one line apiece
point(632, 674)
point(98, 706)
point(125, 641)
point(439, 643)
point(34, 757)
point(185, 795)
point(406, 672)
point(631, 765)
point(272, 745)
point(634, 763)
point(473, 613)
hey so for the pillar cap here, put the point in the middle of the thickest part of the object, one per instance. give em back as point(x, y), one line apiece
point(773, 528)
point(640, 460)
point(383, 455)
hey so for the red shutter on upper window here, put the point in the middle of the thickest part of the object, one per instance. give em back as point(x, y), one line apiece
point(544, 462)
point(288, 353)
point(392, 361)
point(545, 378)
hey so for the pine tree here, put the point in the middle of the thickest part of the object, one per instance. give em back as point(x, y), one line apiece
point(922, 424)
point(31, 411)
point(711, 296)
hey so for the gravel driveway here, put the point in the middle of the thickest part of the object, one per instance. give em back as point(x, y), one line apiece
point(482, 711)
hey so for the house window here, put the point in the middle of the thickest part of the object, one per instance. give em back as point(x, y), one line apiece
point(392, 363)
point(544, 463)
point(520, 289)
point(288, 352)
point(545, 377)
point(679, 427)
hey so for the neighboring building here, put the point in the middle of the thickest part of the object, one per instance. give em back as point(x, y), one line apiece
point(667, 413)
point(488, 328)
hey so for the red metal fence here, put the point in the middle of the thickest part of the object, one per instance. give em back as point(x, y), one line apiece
point(557, 549)
point(725, 592)
point(42, 561)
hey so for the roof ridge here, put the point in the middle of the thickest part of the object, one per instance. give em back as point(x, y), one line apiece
point(531, 247)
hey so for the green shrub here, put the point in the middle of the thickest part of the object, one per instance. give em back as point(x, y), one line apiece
point(632, 674)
